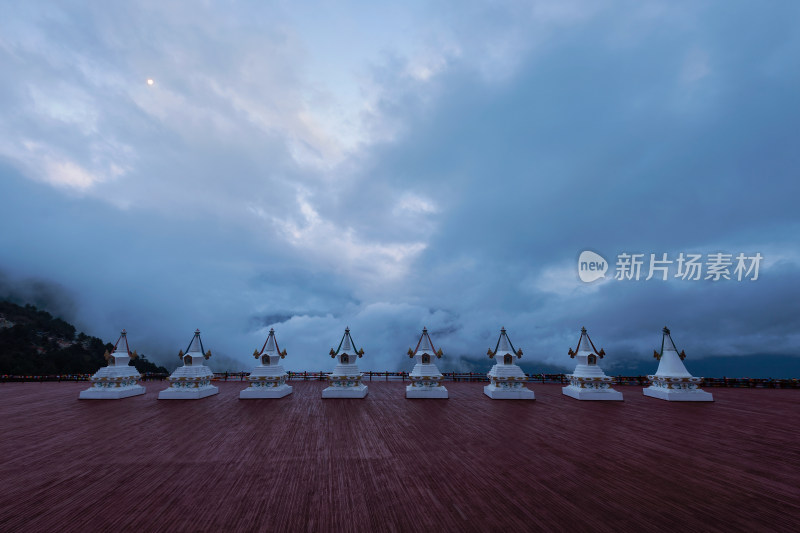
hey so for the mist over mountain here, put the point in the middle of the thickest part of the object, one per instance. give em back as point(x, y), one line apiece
point(33, 342)
point(733, 366)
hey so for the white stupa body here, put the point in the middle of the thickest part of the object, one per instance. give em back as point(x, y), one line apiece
point(117, 380)
point(506, 379)
point(345, 380)
point(588, 381)
point(268, 379)
point(191, 381)
point(426, 380)
point(672, 381)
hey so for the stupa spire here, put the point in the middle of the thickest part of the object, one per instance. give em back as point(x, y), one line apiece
point(425, 345)
point(586, 346)
point(504, 346)
point(346, 346)
point(668, 344)
point(122, 343)
point(271, 347)
point(196, 344)
point(670, 362)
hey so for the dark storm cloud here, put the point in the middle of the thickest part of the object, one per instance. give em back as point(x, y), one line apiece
point(681, 142)
point(240, 191)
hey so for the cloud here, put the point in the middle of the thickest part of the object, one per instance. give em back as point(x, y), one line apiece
point(41, 293)
point(696, 66)
point(390, 168)
point(52, 166)
point(325, 241)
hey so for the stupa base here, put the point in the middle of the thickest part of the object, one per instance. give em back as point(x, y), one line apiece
point(426, 392)
point(187, 393)
point(508, 393)
point(111, 393)
point(265, 392)
point(678, 395)
point(359, 391)
point(589, 394)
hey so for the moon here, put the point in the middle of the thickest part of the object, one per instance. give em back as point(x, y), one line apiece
point(150, 81)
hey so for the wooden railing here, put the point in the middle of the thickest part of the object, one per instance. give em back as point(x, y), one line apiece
point(641, 381)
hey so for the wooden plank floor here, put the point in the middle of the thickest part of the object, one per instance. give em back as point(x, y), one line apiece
point(390, 464)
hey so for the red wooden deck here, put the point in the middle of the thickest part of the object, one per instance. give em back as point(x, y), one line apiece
point(390, 464)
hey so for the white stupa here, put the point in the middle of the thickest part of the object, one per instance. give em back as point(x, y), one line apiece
point(588, 382)
point(191, 381)
point(268, 379)
point(672, 381)
point(506, 380)
point(117, 380)
point(345, 381)
point(426, 380)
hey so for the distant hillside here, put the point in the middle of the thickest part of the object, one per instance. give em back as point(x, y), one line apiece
point(33, 342)
point(482, 365)
point(733, 366)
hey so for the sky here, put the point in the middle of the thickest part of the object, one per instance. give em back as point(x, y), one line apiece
point(308, 166)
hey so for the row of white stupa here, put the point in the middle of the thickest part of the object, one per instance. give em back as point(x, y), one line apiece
point(506, 380)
